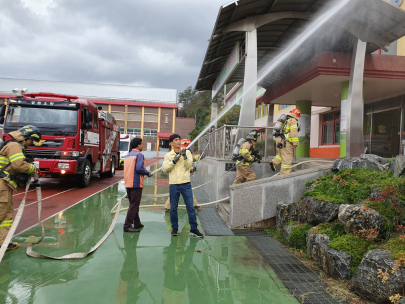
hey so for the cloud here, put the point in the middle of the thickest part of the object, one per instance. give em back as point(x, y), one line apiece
point(150, 42)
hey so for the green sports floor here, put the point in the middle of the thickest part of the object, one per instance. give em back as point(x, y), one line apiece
point(147, 267)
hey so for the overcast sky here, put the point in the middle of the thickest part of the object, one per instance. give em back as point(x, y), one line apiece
point(155, 43)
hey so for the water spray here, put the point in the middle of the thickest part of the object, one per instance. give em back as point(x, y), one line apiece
point(314, 26)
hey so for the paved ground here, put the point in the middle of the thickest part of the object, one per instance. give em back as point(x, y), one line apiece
point(59, 194)
point(148, 267)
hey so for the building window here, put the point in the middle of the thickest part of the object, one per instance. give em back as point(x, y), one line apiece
point(331, 129)
point(166, 118)
point(265, 109)
point(95, 121)
point(134, 131)
point(149, 132)
point(258, 112)
point(282, 107)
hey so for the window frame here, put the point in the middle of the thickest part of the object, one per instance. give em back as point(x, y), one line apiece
point(95, 122)
point(333, 122)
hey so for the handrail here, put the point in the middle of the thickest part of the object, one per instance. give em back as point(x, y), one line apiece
point(223, 140)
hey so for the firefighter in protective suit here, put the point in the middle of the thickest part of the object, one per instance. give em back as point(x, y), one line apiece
point(244, 170)
point(286, 152)
point(184, 144)
point(15, 171)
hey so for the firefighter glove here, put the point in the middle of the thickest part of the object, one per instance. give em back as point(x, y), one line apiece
point(176, 158)
point(183, 153)
point(35, 184)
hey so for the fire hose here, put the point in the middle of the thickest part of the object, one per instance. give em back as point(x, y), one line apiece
point(113, 210)
point(80, 255)
point(30, 251)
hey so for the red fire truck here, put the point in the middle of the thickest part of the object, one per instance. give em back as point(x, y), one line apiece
point(77, 137)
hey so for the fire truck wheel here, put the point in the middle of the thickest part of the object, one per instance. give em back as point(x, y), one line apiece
point(83, 179)
point(112, 172)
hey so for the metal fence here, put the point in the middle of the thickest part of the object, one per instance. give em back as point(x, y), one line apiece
point(221, 142)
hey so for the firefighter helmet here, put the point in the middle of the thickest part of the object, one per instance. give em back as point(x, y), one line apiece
point(253, 135)
point(185, 142)
point(31, 132)
point(296, 112)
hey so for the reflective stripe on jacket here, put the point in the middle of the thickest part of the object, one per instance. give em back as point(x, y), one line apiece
point(12, 155)
point(291, 129)
point(246, 152)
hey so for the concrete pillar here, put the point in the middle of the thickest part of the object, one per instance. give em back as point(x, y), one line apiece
point(343, 117)
point(247, 111)
point(126, 120)
point(305, 131)
point(355, 104)
point(214, 113)
point(270, 147)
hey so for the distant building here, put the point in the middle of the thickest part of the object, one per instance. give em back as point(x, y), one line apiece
point(150, 113)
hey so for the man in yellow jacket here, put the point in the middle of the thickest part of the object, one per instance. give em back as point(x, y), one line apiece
point(178, 163)
point(286, 152)
point(244, 170)
point(184, 144)
point(14, 170)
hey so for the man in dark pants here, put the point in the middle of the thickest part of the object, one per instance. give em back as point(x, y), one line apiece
point(178, 163)
point(134, 174)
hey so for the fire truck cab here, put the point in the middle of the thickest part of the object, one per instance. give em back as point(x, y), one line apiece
point(77, 137)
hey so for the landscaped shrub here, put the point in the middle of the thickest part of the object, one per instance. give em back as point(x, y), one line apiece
point(274, 233)
point(298, 235)
point(397, 248)
point(352, 186)
point(390, 207)
point(354, 246)
point(332, 230)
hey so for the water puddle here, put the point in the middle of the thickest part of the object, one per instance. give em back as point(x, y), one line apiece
point(147, 267)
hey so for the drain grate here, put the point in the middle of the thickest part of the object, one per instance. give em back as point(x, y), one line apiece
point(303, 283)
point(245, 232)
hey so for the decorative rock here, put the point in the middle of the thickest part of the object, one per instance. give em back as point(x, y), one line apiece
point(398, 165)
point(286, 233)
point(368, 285)
point(334, 263)
point(354, 162)
point(315, 212)
point(381, 162)
point(313, 241)
point(375, 194)
point(285, 212)
point(355, 218)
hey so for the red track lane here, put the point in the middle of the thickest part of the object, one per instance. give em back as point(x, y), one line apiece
point(60, 194)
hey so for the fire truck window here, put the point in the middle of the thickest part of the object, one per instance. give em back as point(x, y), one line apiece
point(95, 121)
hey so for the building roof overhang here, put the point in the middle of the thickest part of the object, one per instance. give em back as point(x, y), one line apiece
point(320, 80)
point(356, 20)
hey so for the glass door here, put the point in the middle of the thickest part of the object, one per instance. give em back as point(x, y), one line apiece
point(384, 134)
